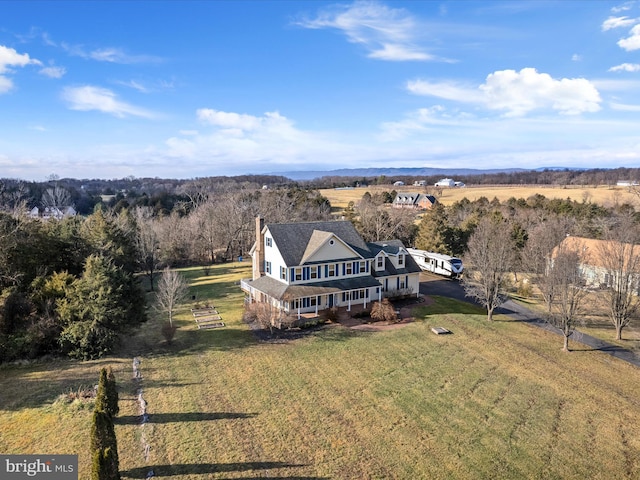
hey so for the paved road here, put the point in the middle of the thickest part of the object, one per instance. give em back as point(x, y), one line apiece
point(434, 285)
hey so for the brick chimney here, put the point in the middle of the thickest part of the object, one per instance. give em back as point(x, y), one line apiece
point(258, 254)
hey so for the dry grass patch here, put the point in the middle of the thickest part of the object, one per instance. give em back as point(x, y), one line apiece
point(602, 195)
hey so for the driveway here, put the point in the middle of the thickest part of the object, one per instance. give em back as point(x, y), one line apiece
point(444, 287)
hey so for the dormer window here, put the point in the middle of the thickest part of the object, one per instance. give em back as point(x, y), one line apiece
point(401, 259)
point(380, 262)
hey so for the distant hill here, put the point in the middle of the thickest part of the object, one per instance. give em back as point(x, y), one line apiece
point(394, 172)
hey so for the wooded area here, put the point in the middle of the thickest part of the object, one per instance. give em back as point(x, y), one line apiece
point(73, 285)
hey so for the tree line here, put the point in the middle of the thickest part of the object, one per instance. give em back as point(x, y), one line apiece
point(74, 286)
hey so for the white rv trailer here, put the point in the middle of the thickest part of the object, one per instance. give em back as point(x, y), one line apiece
point(437, 262)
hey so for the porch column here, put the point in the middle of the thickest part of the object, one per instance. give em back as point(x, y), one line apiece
point(298, 311)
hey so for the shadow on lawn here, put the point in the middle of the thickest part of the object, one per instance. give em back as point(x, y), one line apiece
point(182, 417)
point(205, 468)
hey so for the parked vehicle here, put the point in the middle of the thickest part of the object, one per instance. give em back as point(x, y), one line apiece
point(438, 263)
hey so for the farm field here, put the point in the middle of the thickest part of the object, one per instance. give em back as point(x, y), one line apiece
point(493, 400)
point(603, 195)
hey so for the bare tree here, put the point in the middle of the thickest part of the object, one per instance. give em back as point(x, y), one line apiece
point(147, 240)
point(56, 198)
point(376, 221)
point(543, 238)
point(490, 254)
point(172, 290)
point(565, 273)
point(620, 257)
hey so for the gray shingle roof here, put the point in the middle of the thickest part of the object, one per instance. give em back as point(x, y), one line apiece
point(282, 291)
point(292, 239)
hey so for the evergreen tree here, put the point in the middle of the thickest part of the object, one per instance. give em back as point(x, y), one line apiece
point(97, 307)
point(434, 230)
point(112, 393)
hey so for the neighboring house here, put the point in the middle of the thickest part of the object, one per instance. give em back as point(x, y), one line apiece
point(592, 254)
point(312, 266)
point(445, 182)
point(418, 201)
point(627, 183)
point(420, 183)
point(52, 212)
point(399, 183)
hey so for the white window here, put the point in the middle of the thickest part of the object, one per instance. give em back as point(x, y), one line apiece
point(348, 268)
point(268, 241)
point(380, 263)
point(363, 266)
point(313, 272)
point(283, 273)
point(401, 259)
point(332, 270)
point(267, 267)
point(298, 273)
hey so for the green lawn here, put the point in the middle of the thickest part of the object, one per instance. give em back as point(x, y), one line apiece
point(492, 400)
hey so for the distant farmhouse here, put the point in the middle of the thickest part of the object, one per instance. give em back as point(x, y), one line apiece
point(627, 183)
point(416, 201)
point(304, 268)
point(47, 213)
point(448, 182)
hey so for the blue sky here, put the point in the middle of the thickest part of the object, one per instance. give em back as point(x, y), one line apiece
point(200, 88)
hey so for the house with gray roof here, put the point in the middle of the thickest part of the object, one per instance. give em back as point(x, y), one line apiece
point(308, 267)
point(417, 201)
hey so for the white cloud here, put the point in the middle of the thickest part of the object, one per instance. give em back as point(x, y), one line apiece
point(621, 107)
point(624, 7)
point(518, 93)
point(88, 97)
point(108, 54)
point(521, 92)
point(576, 57)
point(447, 90)
point(387, 33)
point(11, 58)
point(617, 22)
point(632, 42)
point(228, 119)
point(135, 85)
point(5, 84)
point(626, 67)
point(53, 71)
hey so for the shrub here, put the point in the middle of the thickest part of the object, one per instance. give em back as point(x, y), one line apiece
point(384, 312)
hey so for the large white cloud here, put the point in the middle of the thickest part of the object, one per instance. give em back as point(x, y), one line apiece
point(89, 97)
point(387, 33)
point(518, 93)
point(11, 58)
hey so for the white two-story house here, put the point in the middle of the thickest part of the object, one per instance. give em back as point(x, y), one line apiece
point(312, 266)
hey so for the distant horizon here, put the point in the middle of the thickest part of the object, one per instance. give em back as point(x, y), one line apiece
point(171, 89)
point(307, 175)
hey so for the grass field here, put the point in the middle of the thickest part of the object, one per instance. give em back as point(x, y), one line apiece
point(493, 400)
point(603, 195)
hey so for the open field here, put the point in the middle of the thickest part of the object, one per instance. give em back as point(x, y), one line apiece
point(603, 195)
point(493, 400)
